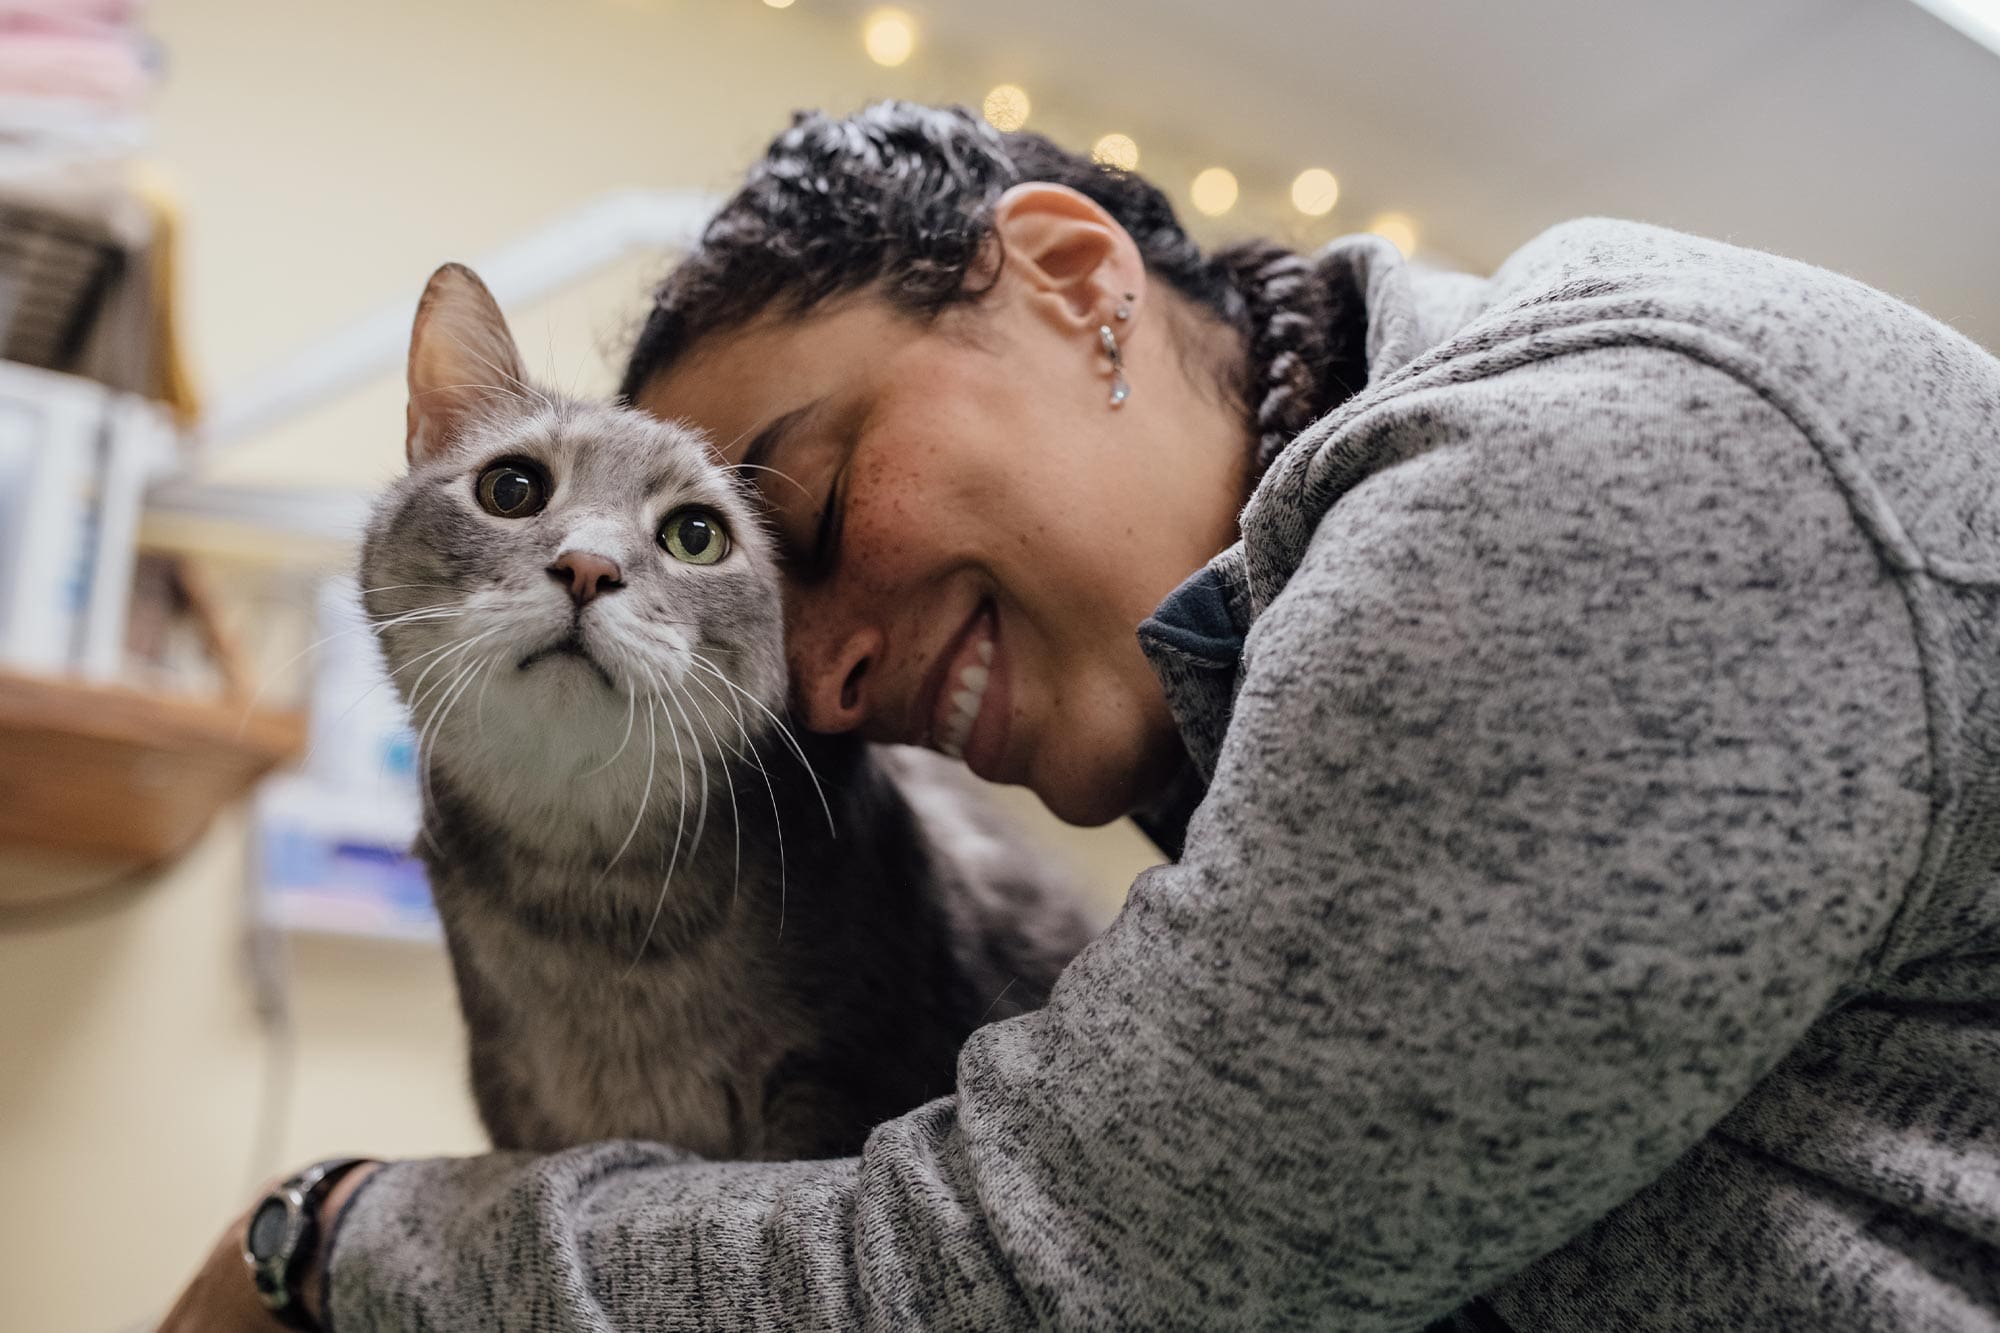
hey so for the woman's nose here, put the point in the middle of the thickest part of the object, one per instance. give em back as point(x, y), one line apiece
point(835, 686)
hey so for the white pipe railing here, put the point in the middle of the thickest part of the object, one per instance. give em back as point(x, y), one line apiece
point(599, 234)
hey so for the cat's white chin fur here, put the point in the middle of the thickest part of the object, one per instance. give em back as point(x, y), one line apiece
point(557, 740)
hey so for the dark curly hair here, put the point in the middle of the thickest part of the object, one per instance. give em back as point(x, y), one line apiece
point(900, 197)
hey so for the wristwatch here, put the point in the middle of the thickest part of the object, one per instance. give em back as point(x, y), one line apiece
point(278, 1244)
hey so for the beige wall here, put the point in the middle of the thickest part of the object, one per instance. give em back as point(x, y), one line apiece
point(329, 156)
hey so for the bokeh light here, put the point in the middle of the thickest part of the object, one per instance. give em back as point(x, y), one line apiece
point(1398, 229)
point(1116, 150)
point(1214, 191)
point(1006, 107)
point(890, 36)
point(1315, 191)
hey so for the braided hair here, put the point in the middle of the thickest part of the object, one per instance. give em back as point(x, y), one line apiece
point(899, 197)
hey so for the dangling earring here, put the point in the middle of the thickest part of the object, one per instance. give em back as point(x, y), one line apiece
point(1120, 390)
point(1109, 341)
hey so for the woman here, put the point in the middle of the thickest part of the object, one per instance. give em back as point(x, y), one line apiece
point(1580, 755)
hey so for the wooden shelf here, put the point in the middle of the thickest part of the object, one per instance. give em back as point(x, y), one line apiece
point(99, 782)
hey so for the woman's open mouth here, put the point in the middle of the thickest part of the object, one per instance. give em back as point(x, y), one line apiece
point(969, 713)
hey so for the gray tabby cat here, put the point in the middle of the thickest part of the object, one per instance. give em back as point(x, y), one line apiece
point(669, 918)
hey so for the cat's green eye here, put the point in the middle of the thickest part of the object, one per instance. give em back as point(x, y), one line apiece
point(512, 490)
point(694, 536)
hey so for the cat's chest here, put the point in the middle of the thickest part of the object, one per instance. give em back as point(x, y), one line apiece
point(688, 1071)
point(676, 1049)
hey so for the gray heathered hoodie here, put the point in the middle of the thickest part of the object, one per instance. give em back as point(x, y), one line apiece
point(1594, 910)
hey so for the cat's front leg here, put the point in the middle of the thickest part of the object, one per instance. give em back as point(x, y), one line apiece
point(808, 1114)
point(508, 1108)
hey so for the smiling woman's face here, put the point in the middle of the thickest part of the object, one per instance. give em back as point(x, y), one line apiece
point(972, 533)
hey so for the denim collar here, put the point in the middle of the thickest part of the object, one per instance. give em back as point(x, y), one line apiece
point(1194, 642)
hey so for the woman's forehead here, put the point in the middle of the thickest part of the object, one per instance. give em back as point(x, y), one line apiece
point(734, 383)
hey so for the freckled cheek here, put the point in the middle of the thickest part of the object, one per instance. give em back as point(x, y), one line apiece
point(891, 539)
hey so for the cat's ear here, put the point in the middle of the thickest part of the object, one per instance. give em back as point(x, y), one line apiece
point(463, 361)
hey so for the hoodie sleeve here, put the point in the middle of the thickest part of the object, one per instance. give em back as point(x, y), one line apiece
point(1542, 829)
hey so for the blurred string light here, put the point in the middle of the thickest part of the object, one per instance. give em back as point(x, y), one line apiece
point(1116, 150)
point(889, 36)
point(1214, 191)
point(1315, 191)
point(1006, 107)
point(779, 4)
point(1398, 230)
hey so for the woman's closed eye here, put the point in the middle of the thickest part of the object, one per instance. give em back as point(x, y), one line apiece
point(782, 498)
point(784, 460)
point(826, 535)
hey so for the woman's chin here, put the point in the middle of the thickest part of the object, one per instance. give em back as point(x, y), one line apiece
point(1089, 786)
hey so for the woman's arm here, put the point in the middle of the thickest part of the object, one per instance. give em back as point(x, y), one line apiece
point(1568, 782)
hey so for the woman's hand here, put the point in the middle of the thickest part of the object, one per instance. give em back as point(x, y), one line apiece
point(220, 1297)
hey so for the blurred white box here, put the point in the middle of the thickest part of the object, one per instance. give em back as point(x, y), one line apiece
point(51, 431)
point(75, 461)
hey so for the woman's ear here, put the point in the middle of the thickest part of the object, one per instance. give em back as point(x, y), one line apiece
point(1078, 262)
point(463, 361)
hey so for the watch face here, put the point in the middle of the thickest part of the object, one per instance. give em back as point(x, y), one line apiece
point(267, 1228)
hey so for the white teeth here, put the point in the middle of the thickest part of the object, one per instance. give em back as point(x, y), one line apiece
point(965, 702)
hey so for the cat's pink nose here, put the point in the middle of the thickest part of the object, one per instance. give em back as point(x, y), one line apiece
point(586, 575)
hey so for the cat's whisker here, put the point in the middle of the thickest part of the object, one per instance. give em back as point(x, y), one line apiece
point(398, 587)
point(405, 621)
point(776, 472)
point(783, 731)
point(747, 749)
point(478, 671)
point(987, 1013)
point(673, 863)
point(420, 616)
point(257, 695)
point(434, 726)
point(479, 704)
point(415, 695)
point(433, 655)
point(701, 771)
point(356, 702)
point(631, 709)
point(645, 795)
point(719, 453)
point(735, 715)
point(425, 655)
point(426, 745)
point(449, 694)
point(728, 785)
point(770, 790)
point(425, 754)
